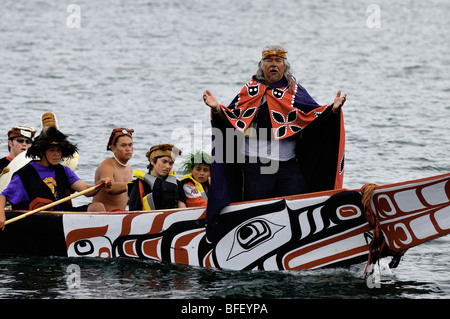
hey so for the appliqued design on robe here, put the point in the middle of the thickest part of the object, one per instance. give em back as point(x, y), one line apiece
point(286, 117)
point(51, 183)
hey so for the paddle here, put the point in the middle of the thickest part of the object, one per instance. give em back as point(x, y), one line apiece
point(4, 171)
point(37, 210)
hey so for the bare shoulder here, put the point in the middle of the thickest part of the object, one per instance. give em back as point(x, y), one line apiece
point(109, 162)
point(105, 167)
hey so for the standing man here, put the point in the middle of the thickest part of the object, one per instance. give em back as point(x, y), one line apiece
point(19, 140)
point(282, 128)
point(117, 169)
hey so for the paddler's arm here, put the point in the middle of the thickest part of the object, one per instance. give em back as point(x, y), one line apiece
point(117, 188)
point(107, 171)
point(2, 211)
point(80, 185)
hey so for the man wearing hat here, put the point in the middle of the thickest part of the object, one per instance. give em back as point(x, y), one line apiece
point(19, 140)
point(159, 188)
point(117, 169)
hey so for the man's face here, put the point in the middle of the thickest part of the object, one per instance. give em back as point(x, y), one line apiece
point(273, 67)
point(162, 166)
point(19, 144)
point(123, 148)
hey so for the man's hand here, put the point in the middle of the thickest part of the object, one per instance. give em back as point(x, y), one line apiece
point(211, 101)
point(106, 182)
point(338, 101)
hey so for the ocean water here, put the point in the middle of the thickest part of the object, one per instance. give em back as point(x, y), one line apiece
point(144, 64)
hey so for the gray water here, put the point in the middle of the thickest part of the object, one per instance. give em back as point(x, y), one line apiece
point(144, 64)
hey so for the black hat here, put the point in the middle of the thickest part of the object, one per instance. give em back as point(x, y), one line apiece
point(48, 137)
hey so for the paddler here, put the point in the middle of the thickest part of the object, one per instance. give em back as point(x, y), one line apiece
point(117, 169)
point(44, 180)
point(19, 140)
point(280, 153)
point(159, 188)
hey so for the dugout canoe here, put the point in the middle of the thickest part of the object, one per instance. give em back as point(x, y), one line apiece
point(326, 229)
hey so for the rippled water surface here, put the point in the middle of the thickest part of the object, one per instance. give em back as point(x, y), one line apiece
point(144, 64)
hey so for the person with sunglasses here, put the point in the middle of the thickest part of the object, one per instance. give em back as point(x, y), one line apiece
point(19, 140)
point(44, 180)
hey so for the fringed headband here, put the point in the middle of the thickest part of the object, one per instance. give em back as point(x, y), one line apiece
point(163, 150)
point(279, 53)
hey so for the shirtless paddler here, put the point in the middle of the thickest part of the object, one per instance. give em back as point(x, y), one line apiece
point(117, 169)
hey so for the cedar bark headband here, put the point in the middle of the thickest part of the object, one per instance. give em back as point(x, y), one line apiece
point(268, 53)
point(163, 150)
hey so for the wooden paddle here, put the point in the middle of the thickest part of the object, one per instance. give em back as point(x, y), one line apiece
point(4, 171)
point(65, 199)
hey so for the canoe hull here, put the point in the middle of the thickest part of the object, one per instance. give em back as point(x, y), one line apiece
point(326, 229)
point(38, 235)
point(278, 234)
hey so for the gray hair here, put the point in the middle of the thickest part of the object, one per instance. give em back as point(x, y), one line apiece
point(287, 68)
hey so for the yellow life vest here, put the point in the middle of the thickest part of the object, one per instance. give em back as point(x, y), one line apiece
point(198, 186)
point(148, 203)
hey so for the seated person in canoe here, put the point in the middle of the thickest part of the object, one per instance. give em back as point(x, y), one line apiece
point(159, 188)
point(197, 180)
point(19, 140)
point(44, 180)
point(117, 169)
